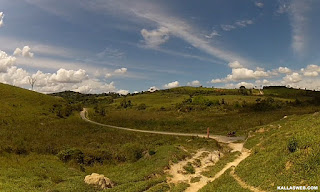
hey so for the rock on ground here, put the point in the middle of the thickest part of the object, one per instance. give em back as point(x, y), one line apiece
point(98, 180)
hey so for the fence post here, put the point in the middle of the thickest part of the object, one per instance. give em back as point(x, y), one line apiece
point(208, 132)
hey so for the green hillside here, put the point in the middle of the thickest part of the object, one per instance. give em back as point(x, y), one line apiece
point(45, 147)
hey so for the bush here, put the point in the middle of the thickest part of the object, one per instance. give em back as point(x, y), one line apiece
point(189, 168)
point(71, 154)
point(142, 106)
point(130, 152)
point(292, 145)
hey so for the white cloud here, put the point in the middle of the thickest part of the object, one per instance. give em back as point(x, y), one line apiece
point(123, 92)
point(172, 85)
point(240, 23)
point(245, 74)
point(25, 52)
point(299, 22)
point(217, 81)
point(153, 89)
point(156, 37)
point(284, 70)
point(1, 19)
point(6, 61)
point(247, 85)
point(121, 70)
point(244, 23)
point(240, 73)
point(194, 83)
point(235, 65)
point(293, 78)
point(228, 27)
point(259, 4)
point(14, 76)
point(212, 34)
point(311, 70)
point(69, 76)
point(311, 73)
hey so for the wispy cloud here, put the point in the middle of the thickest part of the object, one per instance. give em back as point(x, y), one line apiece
point(1, 18)
point(299, 23)
point(237, 24)
point(111, 53)
point(153, 13)
point(259, 4)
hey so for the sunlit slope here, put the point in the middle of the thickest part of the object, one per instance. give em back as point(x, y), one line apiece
point(17, 104)
point(285, 153)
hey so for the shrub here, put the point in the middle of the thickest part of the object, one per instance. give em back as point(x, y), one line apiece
point(142, 106)
point(292, 144)
point(189, 168)
point(71, 154)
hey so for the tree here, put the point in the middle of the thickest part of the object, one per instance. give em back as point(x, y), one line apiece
point(32, 81)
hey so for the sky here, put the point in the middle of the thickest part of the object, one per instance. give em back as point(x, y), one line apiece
point(127, 46)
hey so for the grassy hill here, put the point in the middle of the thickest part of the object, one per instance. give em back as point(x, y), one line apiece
point(43, 148)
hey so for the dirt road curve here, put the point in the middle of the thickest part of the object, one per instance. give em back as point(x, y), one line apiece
point(176, 168)
point(219, 138)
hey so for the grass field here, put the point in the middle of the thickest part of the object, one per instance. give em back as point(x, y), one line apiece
point(285, 153)
point(34, 134)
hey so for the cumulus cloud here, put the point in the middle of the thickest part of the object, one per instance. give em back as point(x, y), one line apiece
point(259, 4)
point(6, 61)
point(172, 85)
point(25, 52)
point(194, 83)
point(61, 80)
point(284, 70)
point(217, 81)
point(123, 92)
point(240, 73)
point(155, 37)
point(121, 71)
point(153, 89)
point(1, 18)
point(14, 76)
point(311, 70)
point(235, 65)
point(69, 76)
point(293, 78)
point(262, 82)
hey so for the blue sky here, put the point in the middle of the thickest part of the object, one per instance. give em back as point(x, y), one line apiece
point(126, 46)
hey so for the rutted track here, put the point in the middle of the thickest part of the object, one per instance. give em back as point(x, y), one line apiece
point(219, 138)
point(222, 139)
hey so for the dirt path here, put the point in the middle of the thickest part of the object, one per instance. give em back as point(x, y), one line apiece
point(244, 184)
point(206, 158)
point(200, 161)
point(219, 138)
point(177, 171)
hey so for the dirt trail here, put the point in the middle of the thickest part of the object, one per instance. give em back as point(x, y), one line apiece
point(176, 170)
point(219, 138)
point(207, 158)
point(244, 184)
point(201, 160)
